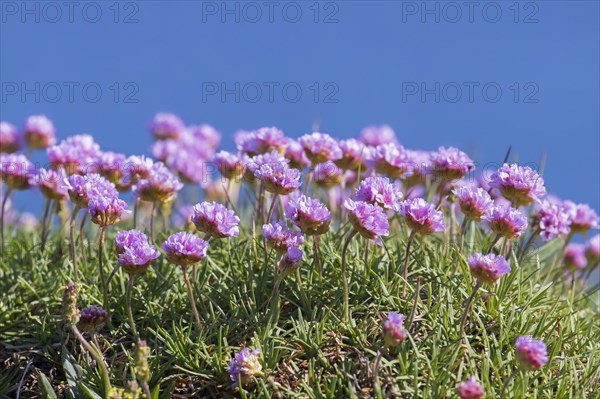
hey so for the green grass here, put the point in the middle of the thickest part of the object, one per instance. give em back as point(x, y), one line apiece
point(310, 352)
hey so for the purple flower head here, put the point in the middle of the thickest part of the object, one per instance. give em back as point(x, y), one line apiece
point(310, 215)
point(583, 217)
point(294, 153)
point(92, 318)
point(278, 177)
point(554, 220)
point(189, 168)
point(51, 183)
point(473, 202)
point(80, 188)
point(377, 135)
point(327, 175)
point(280, 237)
point(291, 260)
point(106, 210)
point(39, 132)
point(451, 163)
point(320, 147)
point(206, 135)
point(160, 186)
point(254, 163)
point(531, 354)
point(135, 252)
point(230, 165)
point(244, 367)
point(369, 220)
point(110, 165)
point(77, 154)
point(506, 221)
point(135, 168)
point(263, 140)
point(353, 155)
point(379, 191)
point(487, 268)
point(10, 140)
point(394, 332)
point(16, 171)
point(166, 126)
point(521, 185)
point(215, 220)
point(185, 249)
point(421, 216)
point(574, 258)
point(392, 160)
point(592, 249)
point(470, 389)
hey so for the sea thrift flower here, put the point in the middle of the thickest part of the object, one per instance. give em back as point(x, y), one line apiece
point(215, 220)
point(205, 135)
point(531, 354)
point(470, 389)
point(185, 249)
point(51, 183)
point(81, 187)
point(451, 163)
point(294, 153)
point(92, 318)
point(592, 249)
point(369, 220)
point(421, 216)
point(506, 221)
point(320, 147)
point(77, 154)
point(379, 191)
point(110, 165)
point(521, 185)
point(244, 367)
point(161, 185)
point(166, 126)
point(583, 217)
point(230, 165)
point(135, 252)
point(554, 220)
point(391, 160)
point(394, 332)
point(308, 214)
point(291, 260)
point(487, 269)
point(574, 258)
point(280, 237)
point(254, 163)
point(16, 171)
point(137, 167)
point(377, 135)
point(473, 202)
point(265, 139)
point(39, 132)
point(278, 177)
point(328, 175)
point(106, 210)
point(10, 140)
point(353, 155)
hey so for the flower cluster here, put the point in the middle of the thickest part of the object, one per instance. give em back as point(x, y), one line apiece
point(92, 318)
point(554, 220)
point(421, 216)
point(531, 353)
point(166, 125)
point(39, 132)
point(470, 389)
point(506, 221)
point(451, 163)
point(135, 252)
point(369, 220)
point(583, 217)
point(160, 186)
point(10, 139)
point(379, 191)
point(51, 183)
point(310, 215)
point(394, 332)
point(77, 154)
point(16, 171)
point(185, 249)
point(489, 268)
point(215, 220)
point(320, 147)
point(80, 188)
point(521, 185)
point(280, 237)
point(473, 202)
point(278, 177)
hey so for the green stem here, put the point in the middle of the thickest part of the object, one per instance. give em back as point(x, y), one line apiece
point(130, 282)
point(510, 378)
point(186, 277)
point(4, 201)
point(152, 216)
point(97, 357)
point(468, 306)
point(82, 239)
point(45, 223)
point(101, 269)
point(345, 277)
point(411, 238)
point(72, 238)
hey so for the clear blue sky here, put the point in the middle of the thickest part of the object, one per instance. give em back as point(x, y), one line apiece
point(354, 62)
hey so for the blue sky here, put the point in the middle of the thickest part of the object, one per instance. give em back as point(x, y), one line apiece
point(480, 77)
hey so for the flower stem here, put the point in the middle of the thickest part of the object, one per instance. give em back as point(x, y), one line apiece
point(317, 256)
point(271, 208)
point(72, 238)
point(186, 277)
point(130, 282)
point(136, 205)
point(508, 380)
point(411, 238)
point(152, 217)
point(468, 306)
point(345, 277)
point(101, 269)
point(528, 245)
point(494, 242)
point(4, 201)
point(463, 232)
point(414, 308)
point(97, 357)
point(45, 223)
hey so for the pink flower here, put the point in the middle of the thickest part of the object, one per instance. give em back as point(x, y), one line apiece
point(451, 163)
point(16, 171)
point(394, 332)
point(353, 155)
point(369, 220)
point(327, 175)
point(574, 258)
point(421, 216)
point(379, 191)
point(473, 202)
point(488, 268)
point(215, 220)
point(278, 177)
point(51, 183)
point(310, 215)
point(39, 132)
point(583, 217)
point(185, 249)
point(230, 165)
point(531, 354)
point(166, 126)
point(320, 147)
point(521, 185)
point(377, 135)
point(470, 389)
point(10, 140)
point(280, 237)
point(506, 221)
point(294, 153)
